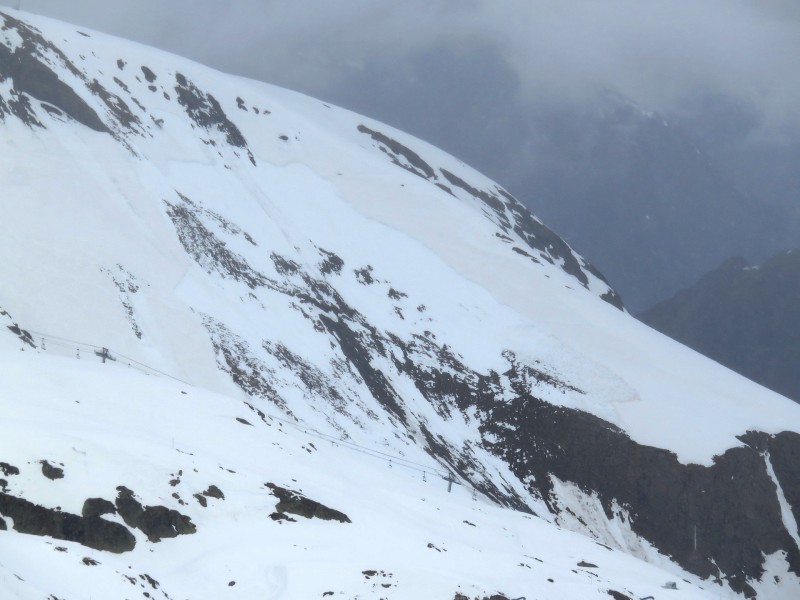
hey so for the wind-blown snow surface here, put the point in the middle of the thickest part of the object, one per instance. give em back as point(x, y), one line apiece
point(109, 425)
point(303, 261)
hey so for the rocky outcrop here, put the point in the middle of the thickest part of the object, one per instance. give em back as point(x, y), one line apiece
point(51, 472)
point(90, 531)
point(296, 503)
point(156, 522)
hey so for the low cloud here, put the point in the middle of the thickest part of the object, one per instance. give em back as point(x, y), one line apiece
point(658, 53)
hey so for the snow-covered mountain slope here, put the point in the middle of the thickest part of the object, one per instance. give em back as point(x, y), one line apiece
point(107, 428)
point(306, 263)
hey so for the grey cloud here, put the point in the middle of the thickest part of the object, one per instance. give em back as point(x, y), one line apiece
point(657, 53)
point(654, 52)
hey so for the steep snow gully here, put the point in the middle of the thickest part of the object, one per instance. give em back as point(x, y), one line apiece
point(323, 290)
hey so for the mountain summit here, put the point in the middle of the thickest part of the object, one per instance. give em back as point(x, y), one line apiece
point(276, 331)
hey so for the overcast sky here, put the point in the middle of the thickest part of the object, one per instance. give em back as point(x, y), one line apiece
point(656, 52)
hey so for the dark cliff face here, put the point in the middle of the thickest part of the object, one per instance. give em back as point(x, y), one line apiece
point(731, 507)
point(33, 69)
point(747, 318)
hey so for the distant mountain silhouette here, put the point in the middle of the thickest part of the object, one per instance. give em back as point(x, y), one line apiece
point(747, 318)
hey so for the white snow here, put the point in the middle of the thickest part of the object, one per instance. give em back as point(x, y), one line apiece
point(108, 425)
point(789, 522)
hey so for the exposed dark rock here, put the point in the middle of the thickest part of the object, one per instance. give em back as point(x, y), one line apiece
point(495, 203)
point(156, 522)
point(244, 421)
point(364, 275)
point(214, 492)
point(207, 249)
point(97, 507)
point(284, 266)
point(93, 532)
point(618, 595)
point(117, 106)
point(29, 68)
point(3, 526)
point(128, 507)
point(522, 252)
point(411, 161)
point(295, 503)
point(149, 580)
point(148, 74)
point(247, 371)
point(353, 347)
point(214, 219)
point(31, 75)
point(6, 468)
point(443, 187)
point(89, 562)
point(24, 336)
point(50, 471)
point(204, 110)
point(201, 500)
point(20, 106)
point(331, 263)
point(279, 516)
point(52, 110)
point(587, 565)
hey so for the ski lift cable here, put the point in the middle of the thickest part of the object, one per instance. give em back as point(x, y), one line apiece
point(298, 424)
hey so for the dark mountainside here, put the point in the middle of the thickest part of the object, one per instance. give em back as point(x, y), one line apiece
point(747, 318)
